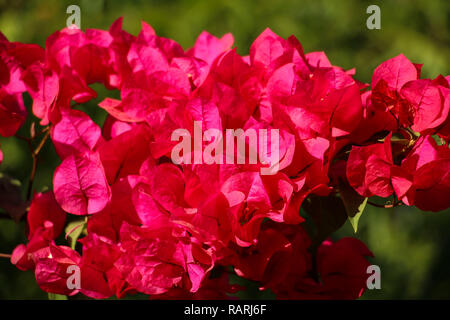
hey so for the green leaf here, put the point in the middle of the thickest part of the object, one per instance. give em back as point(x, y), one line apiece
point(74, 230)
point(354, 220)
point(353, 202)
point(54, 296)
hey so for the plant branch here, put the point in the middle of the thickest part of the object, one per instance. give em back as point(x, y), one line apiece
point(392, 205)
point(34, 155)
point(4, 255)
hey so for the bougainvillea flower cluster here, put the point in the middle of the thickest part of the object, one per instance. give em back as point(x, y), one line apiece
point(169, 230)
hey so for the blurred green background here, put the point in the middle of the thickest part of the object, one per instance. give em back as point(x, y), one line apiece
point(411, 247)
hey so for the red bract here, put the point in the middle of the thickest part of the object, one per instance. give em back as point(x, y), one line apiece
point(424, 175)
point(375, 120)
point(22, 255)
point(264, 262)
point(74, 133)
point(171, 229)
point(124, 154)
point(369, 169)
point(15, 58)
point(12, 113)
point(52, 264)
point(395, 72)
point(340, 273)
point(99, 278)
point(327, 103)
point(107, 222)
point(44, 209)
point(217, 288)
point(80, 184)
point(155, 260)
point(43, 86)
point(207, 47)
point(281, 261)
point(343, 268)
point(387, 82)
point(428, 104)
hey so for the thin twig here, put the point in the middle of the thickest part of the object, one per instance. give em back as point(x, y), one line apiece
point(4, 255)
point(34, 167)
point(396, 204)
point(41, 144)
point(45, 129)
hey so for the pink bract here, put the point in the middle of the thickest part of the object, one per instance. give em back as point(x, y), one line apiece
point(171, 230)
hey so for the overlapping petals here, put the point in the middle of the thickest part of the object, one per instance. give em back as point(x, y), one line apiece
point(171, 230)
